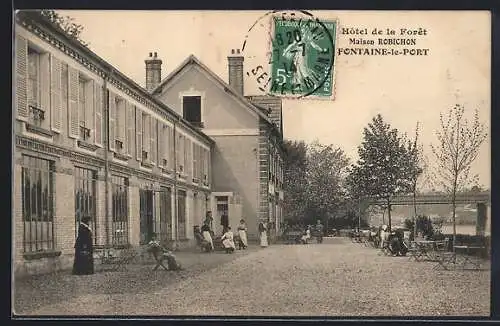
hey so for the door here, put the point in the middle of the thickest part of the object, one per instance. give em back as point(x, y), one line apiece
point(165, 196)
point(147, 228)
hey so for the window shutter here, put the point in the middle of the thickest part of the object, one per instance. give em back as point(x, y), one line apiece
point(154, 147)
point(45, 87)
point(55, 92)
point(146, 144)
point(73, 124)
point(161, 141)
point(112, 121)
point(130, 128)
point(138, 134)
point(171, 151)
point(189, 157)
point(89, 106)
point(98, 105)
point(21, 78)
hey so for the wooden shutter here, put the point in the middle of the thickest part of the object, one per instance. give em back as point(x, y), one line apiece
point(138, 134)
point(45, 88)
point(154, 148)
point(98, 109)
point(171, 149)
point(55, 92)
point(189, 157)
point(89, 106)
point(161, 142)
point(130, 129)
point(21, 78)
point(112, 121)
point(73, 124)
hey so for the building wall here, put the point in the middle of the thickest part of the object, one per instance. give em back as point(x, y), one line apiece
point(235, 131)
point(235, 170)
point(220, 111)
point(55, 140)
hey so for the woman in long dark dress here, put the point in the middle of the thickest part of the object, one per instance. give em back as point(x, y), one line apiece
point(84, 249)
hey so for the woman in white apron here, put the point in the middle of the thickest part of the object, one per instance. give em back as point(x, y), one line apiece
point(242, 232)
point(205, 231)
point(227, 240)
point(263, 234)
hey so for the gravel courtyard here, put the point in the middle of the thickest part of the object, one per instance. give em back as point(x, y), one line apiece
point(336, 278)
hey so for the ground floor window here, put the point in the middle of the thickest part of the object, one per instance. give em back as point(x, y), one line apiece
point(165, 197)
point(85, 198)
point(37, 201)
point(181, 214)
point(119, 190)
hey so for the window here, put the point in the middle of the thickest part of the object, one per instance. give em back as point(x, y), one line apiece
point(119, 191)
point(37, 199)
point(33, 78)
point(120, 124)
point(191, 108)
point(85, 198)
point(85, 107)
point(146, 139)
point(37, 113)
point(181, 214)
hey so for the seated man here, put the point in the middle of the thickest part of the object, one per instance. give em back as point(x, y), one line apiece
point(160, 253)
point(204, 244)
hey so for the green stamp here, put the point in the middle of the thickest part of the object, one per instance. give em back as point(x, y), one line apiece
point(302, 59)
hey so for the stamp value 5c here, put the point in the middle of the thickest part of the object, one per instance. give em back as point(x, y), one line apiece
point(303, 57)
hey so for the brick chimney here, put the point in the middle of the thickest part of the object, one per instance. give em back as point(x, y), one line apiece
point(153, 71)
point(235, 65)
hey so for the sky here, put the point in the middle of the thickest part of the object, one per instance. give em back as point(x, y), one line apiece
point(404, 89)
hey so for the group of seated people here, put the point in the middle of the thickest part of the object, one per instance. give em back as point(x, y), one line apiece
point(205, 237)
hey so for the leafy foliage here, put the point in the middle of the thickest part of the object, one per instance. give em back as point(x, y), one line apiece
point(314, 182)
point(66, 23)
point(295, 181)
point(384, 168)
point(459, 142)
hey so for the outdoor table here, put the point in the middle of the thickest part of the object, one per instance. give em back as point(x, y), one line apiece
point(451, 259)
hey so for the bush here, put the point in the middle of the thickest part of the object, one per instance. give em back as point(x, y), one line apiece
point(424, 225)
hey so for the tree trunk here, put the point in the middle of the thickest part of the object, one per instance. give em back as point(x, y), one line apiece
point(415, 212)
point(453, 212)
point(389, 213)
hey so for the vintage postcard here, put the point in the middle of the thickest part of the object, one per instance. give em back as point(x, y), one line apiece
point(251, 163)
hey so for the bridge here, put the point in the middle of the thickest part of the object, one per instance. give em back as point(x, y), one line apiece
point(481, 199)
point(461, 198)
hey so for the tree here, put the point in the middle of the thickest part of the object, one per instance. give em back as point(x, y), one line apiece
point(382, 170)
point(415, 169)
point(295, 179)
point(458, 146)
point(326, 173)
point(66, 23)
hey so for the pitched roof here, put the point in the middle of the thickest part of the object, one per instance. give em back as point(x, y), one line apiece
point(192, 60)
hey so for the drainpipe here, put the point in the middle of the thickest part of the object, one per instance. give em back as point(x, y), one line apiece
point(175, 186)
point(106, 149)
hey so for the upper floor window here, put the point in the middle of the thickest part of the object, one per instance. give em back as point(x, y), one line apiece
point(191, 109)
point(33, 78)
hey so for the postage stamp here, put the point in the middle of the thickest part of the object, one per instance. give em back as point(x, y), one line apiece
point(302, 57)
point(300, 52)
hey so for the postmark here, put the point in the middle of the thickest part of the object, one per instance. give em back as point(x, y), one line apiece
point(300, 57)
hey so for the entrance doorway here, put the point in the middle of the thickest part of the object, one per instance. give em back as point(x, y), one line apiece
point(147, 228)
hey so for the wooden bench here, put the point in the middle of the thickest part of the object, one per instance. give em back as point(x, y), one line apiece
point(292, 237)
